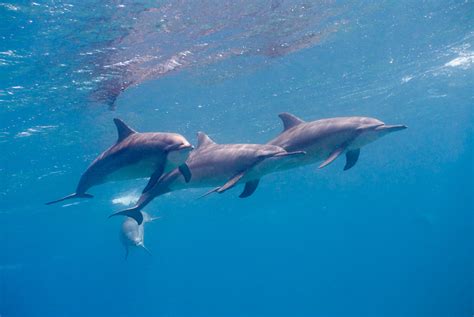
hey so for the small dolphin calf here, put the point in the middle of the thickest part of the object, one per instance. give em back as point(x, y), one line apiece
point(212, 164)
point(135, 155)
point(325, 140)
point(133, 234)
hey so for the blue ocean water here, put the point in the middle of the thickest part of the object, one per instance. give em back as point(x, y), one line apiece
point(393, 236)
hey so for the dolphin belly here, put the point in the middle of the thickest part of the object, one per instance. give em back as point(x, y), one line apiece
point(314, 154)
point(132, 233)
point(141, 169)
point(200, 181)
point(275, 164)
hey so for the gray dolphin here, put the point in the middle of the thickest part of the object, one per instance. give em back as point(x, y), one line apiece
point(135, 155)
point(132, 234)
point(212, 164)
point(322, 141)
point(326, 139)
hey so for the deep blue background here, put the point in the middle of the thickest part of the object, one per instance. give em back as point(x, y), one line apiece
point(391, 237)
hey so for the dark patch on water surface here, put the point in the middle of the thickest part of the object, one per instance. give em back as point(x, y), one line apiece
point(187, 35)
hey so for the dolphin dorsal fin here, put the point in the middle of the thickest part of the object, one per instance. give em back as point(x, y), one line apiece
point(289, 120)
point(204, 139)
point(123, 130)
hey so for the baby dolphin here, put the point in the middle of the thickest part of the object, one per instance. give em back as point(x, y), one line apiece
point(212, 164)
point(133, 234)
point(135, 155)
point(325, 140)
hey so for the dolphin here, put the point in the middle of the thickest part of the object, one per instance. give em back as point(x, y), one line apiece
point(214, 165)
point(133, 234)
point(322, 141)
point(135, 155)
point(326, 139)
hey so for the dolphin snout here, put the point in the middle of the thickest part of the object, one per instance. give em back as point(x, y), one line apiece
point(137, 241)
point(391, 128)
point(186, 146)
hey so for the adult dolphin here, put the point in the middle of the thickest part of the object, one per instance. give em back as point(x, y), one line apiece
point(135, 155)
point(212, 164)
point(326, 139)
point(133, 234)
point(322, 141)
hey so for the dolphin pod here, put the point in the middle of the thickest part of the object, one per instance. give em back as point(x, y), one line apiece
point(135, 155)
point(212, 164)
point(300, 143)
point(171, 164)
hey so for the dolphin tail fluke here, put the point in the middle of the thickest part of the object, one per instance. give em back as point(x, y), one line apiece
point(73, 195)
point(132, 213)
point(231, 183)
point(334, 155)
point(209, 192)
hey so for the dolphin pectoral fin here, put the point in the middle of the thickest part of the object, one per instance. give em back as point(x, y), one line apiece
point(334, 155)
point(74, 195)
point(351, 158)
point(185, 171)
point(132, 213)
point(154, 178)
point(250, 188)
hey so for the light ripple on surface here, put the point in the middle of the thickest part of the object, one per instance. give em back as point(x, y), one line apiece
point(35, 130)
point(126, 200)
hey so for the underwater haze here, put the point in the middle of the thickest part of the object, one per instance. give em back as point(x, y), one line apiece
point(393, 236)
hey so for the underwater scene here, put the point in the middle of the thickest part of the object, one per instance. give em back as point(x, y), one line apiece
point(236, 158)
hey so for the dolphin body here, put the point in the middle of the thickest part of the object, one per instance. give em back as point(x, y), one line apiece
point(132, 234)
point(212, 164)
point(135, 155)
point(325, 140)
